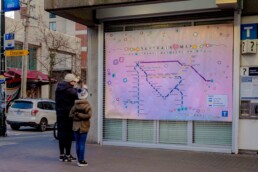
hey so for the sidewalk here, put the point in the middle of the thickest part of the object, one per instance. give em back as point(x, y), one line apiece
point(39, 153)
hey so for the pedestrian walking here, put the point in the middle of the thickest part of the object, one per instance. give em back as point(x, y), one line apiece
point(81, 113)
point(65, 96)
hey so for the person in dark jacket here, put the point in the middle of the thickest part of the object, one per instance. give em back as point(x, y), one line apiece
point(65, 96)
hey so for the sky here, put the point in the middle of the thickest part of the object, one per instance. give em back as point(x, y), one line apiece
point(9, 14)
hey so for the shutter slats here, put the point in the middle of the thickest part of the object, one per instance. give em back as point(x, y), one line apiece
point(212, 133)
point(112, 129)
point(173, 132)
point(140, 131)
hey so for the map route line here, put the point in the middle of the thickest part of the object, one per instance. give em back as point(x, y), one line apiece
point(159, 93)
point(147, 79)
point(200, 75)
point(176, 61)
point(138, 95)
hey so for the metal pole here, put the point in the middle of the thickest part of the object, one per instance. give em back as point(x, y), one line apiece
point(25, 58)
point(2, 65)
point(2, 37)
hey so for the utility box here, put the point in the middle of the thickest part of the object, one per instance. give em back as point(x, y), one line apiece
point(249, 46)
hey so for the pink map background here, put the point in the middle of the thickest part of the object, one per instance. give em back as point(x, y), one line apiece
point(182, 73)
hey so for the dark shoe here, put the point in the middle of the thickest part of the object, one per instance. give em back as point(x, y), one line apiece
point(61, 158)
point(82, 163)
point(70, 158)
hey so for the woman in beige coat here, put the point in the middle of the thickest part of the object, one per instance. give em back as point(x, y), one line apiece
point(81, 113)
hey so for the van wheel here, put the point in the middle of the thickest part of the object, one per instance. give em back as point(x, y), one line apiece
point(15, 127)
point(43, 124)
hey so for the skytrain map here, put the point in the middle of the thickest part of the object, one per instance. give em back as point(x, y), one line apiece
point(181, 73)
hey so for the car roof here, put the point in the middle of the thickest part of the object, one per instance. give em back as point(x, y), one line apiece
point(35, 100)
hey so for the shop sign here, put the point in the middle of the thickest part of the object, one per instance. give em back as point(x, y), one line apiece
point(248, 31)
point(11, 5)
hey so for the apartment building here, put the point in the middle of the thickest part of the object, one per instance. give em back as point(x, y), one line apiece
point(43, 51)
point(62, 25)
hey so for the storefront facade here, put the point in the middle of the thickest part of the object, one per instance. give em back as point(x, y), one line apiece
point(163, 74)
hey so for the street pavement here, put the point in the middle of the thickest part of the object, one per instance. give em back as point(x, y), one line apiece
point(33, 151)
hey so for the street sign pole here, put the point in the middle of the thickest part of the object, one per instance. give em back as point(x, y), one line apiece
point(2, 70)
point(25, 58)
point(2, 38)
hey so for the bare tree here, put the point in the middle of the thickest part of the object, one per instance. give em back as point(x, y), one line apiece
point(56, 44)
point(12, 26)
point(56, 48)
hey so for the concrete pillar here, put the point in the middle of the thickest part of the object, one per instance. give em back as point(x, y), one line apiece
point(92, 81)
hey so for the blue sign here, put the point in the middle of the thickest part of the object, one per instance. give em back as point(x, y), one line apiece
point(9, 36)
point(9, 42)
point(2, 79)
point(248, 31)
point(253, 71)
point(11, 5)
point(224, 113)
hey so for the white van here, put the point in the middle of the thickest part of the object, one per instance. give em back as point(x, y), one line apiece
point(39, 113)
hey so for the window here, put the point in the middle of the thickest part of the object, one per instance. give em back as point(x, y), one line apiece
point(13, 61)
point(53, 105)
point(46, 105)
point(22, 105)
point(52, 26)
point(16, 61)
point(32, 58)
point(51, 15)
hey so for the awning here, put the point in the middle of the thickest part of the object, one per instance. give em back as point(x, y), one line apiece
point(32, 75)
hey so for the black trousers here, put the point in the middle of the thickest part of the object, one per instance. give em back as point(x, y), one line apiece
point(65, 145)
point(65, 134)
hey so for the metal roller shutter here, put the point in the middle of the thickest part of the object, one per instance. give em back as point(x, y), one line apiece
point(173, 132)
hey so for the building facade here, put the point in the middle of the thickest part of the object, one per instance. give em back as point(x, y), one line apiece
point(59, 24)
point(39, 57)
point(170, 74)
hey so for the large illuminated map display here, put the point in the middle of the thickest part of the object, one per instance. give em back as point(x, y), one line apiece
point(182, 73)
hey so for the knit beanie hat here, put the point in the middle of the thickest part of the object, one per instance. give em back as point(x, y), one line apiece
point(70, 77)
point(82, 92)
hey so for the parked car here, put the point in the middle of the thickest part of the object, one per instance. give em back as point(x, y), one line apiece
point(39, 113)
